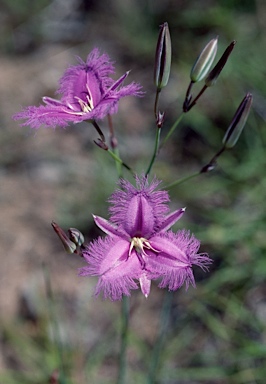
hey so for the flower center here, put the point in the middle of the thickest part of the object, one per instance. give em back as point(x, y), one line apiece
point(86, 105)
point(140, 244)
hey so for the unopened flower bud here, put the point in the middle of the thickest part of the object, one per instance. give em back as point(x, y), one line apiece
point(215, 72)
point(163, 57)
point(68, 245)
point(204, 61)
point(238, 122)
point(76, 236)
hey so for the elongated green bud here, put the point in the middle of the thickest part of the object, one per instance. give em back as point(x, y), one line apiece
point(204, 61)
point(238, 122)
point(215, 72)
point(163, 57)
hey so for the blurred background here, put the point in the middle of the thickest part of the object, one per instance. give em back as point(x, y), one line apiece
point(217, 332)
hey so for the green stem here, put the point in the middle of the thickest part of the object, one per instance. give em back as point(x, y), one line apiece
point(124, 340)
point(207, 168)
point(172, 129)
point(55, 325)
point(158, 347)
point(193, 102)
point(180, 181)
point(155, 152)
point(118, 164)
point(118, 160)
point(156, 102)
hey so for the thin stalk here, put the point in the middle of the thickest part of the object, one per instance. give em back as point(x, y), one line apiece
point(180, 181)
point(98, 129)
point(112, 132)
point(207, 168)
point(155, 152)
point(212, 163)
point(188, 94)
point(215, 157)
point(120, 161)
point(188, 97)
point(124, 340)
point(118, 164)
point(193, 102)
point(158, 347)
point(156, 102)
point(55, 325)
point(114, 145)
point(172, 129)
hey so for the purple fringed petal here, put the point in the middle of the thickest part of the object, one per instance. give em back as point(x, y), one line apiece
point(202, 260)
point(49, 116)
point(52, 102)
point(109, 259)
point(99, 66)
point(178, 253)
point(173, 250)
point(139, 210)
point(109, 228)
point(117, 83)
point(115, 289)
point(176, 278)
point(101, 110)
point(102, 64)
point(171, 219)
point(79, 83)
point(132, 89)
point(139, 218)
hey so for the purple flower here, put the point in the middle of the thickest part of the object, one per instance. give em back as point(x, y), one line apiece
point(139, 245)
point(88, 93)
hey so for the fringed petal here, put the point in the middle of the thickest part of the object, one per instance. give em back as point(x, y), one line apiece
point(140, 210)
point(173, 262)
point(170, 220)
point(109, 228)
point(49, 116)
point(109, 259)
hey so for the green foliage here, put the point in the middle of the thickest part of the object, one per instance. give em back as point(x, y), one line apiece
point(216, 332)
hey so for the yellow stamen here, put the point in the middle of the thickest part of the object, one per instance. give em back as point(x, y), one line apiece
point(139, 243)
point(86, 107)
